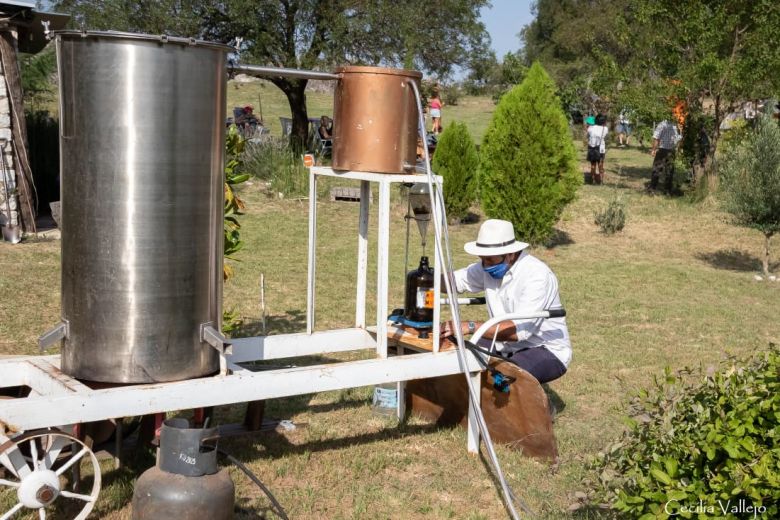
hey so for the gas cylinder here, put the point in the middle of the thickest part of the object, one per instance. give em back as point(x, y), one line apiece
point(418, 306)
point(186, 483)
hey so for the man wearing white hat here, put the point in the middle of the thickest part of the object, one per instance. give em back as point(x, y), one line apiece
point(516, 282)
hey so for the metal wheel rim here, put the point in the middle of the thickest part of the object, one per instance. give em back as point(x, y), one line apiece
point(42, 462)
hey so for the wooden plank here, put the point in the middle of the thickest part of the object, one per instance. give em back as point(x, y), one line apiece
point(408, 337)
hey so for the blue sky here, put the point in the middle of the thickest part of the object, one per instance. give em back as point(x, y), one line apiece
point(504, 21)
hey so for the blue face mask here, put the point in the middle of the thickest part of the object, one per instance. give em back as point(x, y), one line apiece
point(497, 271)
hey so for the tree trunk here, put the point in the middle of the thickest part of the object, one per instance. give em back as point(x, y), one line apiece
point(710, 165)
point(24, 176)
point(295, 90)
point(767, 236)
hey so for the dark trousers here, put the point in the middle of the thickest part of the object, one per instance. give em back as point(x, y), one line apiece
point(539, 362)
point(663, 164)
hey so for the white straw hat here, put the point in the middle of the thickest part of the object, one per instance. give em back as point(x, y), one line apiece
point(496, 237)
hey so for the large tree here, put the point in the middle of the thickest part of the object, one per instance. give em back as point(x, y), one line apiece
point(651, 54)
point(308, 34)
point(714, 55)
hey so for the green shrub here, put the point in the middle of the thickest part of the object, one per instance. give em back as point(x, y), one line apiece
point(274, 161)
point(750, 181)
point(234, 175)
point(528, 168)
point(456, 160)
point(613, 218)
point(451, 95)
point(710, 442)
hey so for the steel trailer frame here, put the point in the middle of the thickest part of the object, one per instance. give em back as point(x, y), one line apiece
point(56, 399)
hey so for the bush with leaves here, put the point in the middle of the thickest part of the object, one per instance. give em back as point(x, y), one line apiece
point(273, 160)
point(708, 441)
point(234, 175)
point(613, 218)
point(456, 160)
point(528, 167)
point(750, 181)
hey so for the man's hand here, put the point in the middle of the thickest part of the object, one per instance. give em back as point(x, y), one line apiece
point(447, 329)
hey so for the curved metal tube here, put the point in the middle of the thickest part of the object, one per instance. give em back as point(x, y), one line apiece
point(513, 316)
point(257, 70)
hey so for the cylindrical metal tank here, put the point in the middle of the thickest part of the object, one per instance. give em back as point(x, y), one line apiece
point(142, 127)
point(375, 120)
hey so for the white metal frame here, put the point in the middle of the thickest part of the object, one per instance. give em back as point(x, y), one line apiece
point(56, 399)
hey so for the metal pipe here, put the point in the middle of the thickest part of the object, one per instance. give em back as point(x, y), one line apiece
point(441, 234)
point(257, 70)
point(478, 300)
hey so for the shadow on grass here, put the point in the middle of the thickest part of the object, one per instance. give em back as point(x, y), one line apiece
point(292, 321)
point(558, 238)
point(593, 511)
point(555, 400)
point(633, 172)
point(734, 260)
point(271, 444)
point(294, 405)
point(116, 488)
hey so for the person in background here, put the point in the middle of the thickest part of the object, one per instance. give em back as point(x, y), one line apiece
point(665, 138)
point(326, 127)
point(623, 129)
point(514, 281)
point(597, 148)
point(436, 104)
point(246, 121)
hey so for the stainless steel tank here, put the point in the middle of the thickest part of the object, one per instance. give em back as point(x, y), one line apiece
point(375, 120)
point(142, 137)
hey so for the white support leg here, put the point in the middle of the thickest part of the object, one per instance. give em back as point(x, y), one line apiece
point(382, 268)
point(437, 270)
point(401, 392)
point(312, 252)
point(362, 266)
point(473, 427)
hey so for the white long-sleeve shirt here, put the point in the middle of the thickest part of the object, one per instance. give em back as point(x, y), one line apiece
point(529, 286)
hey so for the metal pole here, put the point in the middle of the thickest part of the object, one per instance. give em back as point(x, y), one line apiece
point(257, 70)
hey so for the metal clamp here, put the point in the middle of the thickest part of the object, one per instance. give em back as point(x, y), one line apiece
point(58, 333)
point(215, 338)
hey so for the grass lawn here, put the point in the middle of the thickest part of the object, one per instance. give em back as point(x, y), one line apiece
point(674, 288)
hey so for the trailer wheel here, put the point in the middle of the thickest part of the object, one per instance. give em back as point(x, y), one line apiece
point(36, 465)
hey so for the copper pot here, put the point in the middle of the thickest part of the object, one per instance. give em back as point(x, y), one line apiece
point(375, 124)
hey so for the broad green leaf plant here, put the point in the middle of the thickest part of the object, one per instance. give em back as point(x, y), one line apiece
point(700, 445)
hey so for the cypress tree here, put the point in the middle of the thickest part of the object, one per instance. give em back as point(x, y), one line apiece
point(528, 168)
point(456, 160)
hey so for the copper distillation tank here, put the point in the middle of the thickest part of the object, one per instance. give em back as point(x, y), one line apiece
point(419, 298)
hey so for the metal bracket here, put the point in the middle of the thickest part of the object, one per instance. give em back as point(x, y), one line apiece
point(215, 338)
point(58, 333)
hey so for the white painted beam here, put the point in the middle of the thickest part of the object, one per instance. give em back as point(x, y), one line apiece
point(45, 411)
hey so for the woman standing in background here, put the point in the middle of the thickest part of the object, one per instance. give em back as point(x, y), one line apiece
point(597, 148)
point(436, 104)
